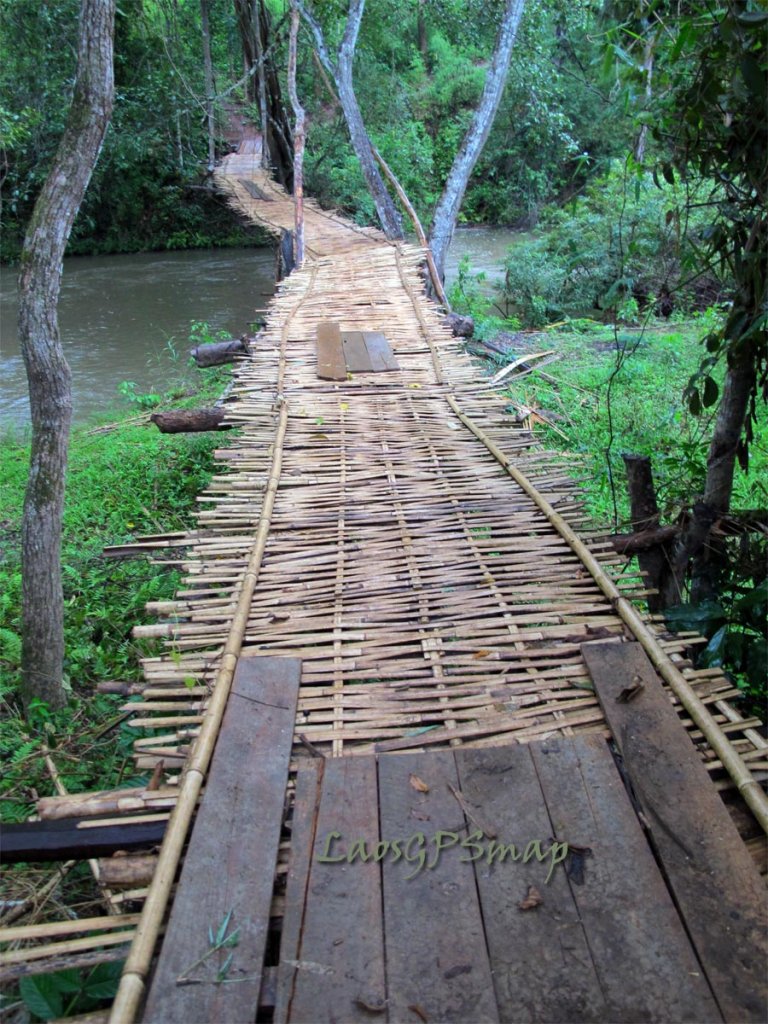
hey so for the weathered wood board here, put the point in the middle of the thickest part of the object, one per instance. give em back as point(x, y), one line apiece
point(355, 352)
point(498, 924)
point(380, 354)
point(644, 960)
point(436, 951)
point(540, 959)
point(230, 864)
point(337, 968)
point(710, 870)
point(330, 353)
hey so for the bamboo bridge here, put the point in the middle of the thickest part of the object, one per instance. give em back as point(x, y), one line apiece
point(415, 754)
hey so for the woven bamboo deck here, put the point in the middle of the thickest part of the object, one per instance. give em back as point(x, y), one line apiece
point(382, 530)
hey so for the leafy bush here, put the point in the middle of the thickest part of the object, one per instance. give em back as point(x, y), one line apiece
point(625, 245)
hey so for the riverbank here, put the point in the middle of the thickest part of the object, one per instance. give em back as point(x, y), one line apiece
point(124, 480)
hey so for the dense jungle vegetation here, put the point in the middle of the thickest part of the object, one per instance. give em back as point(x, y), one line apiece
point(630, 147)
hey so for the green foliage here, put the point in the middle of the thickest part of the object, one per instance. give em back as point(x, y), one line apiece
point(622, 245)
point(68, 992)
point(735, 628)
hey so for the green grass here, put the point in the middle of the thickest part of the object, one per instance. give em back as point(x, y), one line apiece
point(617, 390)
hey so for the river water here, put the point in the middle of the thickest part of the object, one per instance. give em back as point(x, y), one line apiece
point(127, 318)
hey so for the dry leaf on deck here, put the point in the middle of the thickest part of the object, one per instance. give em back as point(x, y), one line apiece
point(418, 784)
point(533, 899)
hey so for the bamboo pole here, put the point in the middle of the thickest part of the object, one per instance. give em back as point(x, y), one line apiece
point(747, 785)
point(137, 965)
point(437, 284)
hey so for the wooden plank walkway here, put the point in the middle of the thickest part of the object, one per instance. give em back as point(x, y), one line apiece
point(403, 860)
point(227, 879)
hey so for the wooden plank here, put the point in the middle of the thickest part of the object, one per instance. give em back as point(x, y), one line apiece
point(341, 949)
point(355, 352)
point(646, 966)
point(66, 839)
point(230, 864)
point(540, 960)
point(380, 353)
point(254, 191)
point(437, 958)
point(330, 354)
point(304, 824)
point(709, 869)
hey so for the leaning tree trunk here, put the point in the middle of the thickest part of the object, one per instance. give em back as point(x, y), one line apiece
point(389, 216)
point(50, 392)
point(298, 140)
point(721, 463)
point(447, 211)
point(210, 87)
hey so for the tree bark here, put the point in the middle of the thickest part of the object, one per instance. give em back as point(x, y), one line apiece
point(388, 214)
point(50, 392)
point(210, 89)
point(261, 82)
point(298, 140)
point(447, 211)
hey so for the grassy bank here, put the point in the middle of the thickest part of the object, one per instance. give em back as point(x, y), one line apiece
point(123, 481)
point(613, 390)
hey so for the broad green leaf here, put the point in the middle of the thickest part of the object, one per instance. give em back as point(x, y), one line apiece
point(42, 996)
point(715, 649)
point(702, 617)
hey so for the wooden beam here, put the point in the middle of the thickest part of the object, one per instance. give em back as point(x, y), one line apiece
point(66, 839)
point(709, 869)
point(228, 873)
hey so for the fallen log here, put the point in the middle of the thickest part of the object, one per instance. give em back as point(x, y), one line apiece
point(462, 326)
point(220, 352)
point(188, 421)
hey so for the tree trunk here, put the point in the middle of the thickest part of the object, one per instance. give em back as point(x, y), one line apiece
point(447, 211)
point(298, 140)
point(642, 135)
point(210, 89)
point(721, 460)
point(388, 214)
point(50, 392)
point(261, 82)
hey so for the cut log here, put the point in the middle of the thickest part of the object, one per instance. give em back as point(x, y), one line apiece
point(126, 872)
point(462, 326)
point(188, 421)
point(220, 352)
